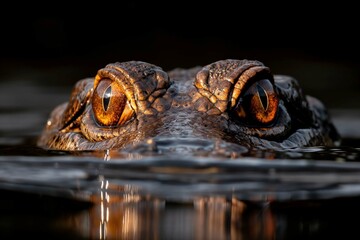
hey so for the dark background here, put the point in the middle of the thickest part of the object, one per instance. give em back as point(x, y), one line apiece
point(58, 43)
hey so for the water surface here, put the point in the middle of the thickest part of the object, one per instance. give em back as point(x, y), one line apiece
point(236, 194)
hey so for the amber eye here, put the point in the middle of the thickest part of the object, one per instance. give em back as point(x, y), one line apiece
point(259, 103)
point(110, 105)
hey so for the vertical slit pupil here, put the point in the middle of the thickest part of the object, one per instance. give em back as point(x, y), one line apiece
point(263, 96)
point(106, 98)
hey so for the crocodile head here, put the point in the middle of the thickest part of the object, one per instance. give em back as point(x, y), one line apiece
point(231, 102)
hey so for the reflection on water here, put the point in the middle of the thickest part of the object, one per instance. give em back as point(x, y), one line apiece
point(236, 194)
point(132, 216)
point(135, 217)
point(169, 198)
point(206, 218)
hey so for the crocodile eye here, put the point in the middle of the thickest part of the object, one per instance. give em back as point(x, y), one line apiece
point(258, 104)
point(110, 105)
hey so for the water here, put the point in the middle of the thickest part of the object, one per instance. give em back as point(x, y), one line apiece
point(236, 194)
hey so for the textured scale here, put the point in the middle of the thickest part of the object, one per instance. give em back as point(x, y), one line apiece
point(196, 104)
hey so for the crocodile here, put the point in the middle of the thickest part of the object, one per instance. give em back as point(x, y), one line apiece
point(236, 102)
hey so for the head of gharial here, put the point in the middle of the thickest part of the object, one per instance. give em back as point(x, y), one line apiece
point(231, 102)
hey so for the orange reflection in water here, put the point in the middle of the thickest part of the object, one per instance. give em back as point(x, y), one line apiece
point(122, 216)
point(121, 213)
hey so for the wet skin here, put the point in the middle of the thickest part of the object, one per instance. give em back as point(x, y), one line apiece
point(233, 101)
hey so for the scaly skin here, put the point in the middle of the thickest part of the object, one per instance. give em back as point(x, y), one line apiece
point(225, 100)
